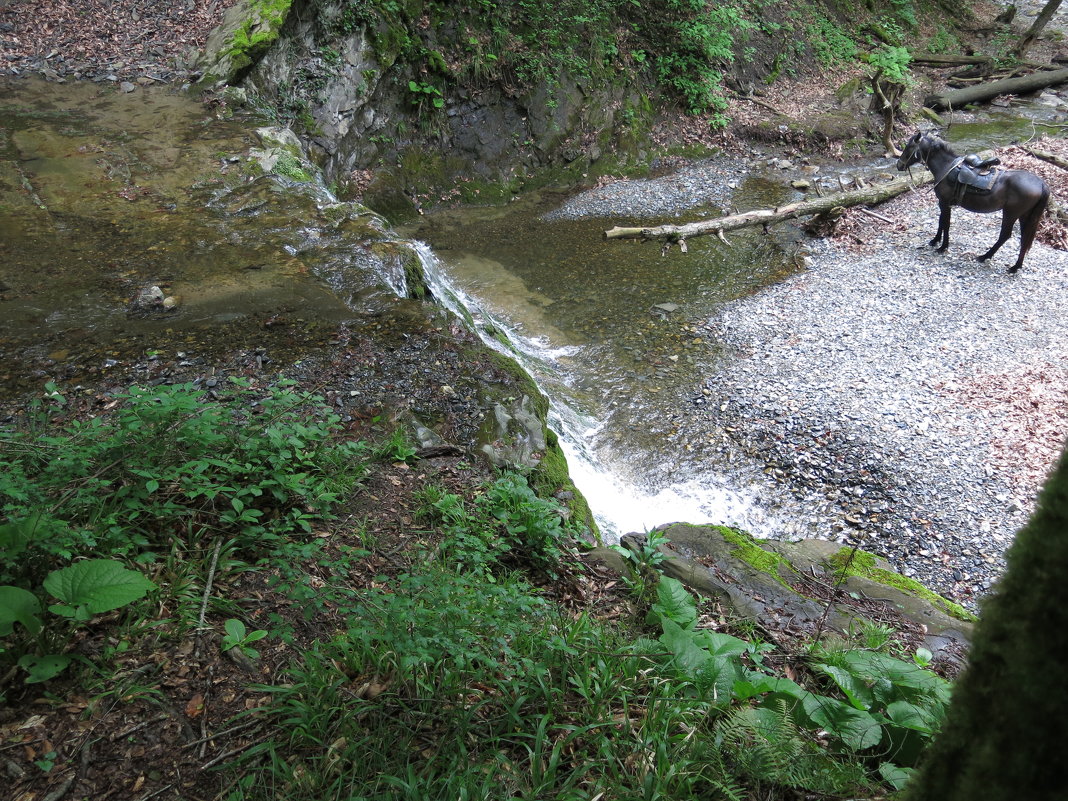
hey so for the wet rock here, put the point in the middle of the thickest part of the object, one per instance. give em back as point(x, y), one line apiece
point(149, 297)
point(514, 434)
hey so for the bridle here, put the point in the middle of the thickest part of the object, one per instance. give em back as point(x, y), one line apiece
point(918, 156)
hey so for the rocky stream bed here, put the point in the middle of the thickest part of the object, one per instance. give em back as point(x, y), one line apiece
point(908, 401)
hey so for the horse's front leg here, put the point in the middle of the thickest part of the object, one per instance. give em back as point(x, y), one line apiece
point(944, 211)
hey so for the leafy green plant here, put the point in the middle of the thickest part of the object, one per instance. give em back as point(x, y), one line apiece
point(891, 63)
point(238, 636)
point(421, 92)
point(397, 448)
point(530, 523)
point(695, 43)
point(829, 42)
point(256, 465)
point(508, 526)
point(888, 706)
point(644, 563)
point(84, 589)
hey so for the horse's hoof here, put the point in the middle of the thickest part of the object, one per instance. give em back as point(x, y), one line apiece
point(1014, 269)
point(942, 249)
point(981, 259)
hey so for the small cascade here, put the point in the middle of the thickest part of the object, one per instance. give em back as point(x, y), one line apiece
point(619, 505)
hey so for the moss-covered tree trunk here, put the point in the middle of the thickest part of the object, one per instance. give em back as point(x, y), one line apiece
point(1007, 730)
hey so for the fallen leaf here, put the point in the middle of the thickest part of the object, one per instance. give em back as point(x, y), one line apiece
point(195, 706)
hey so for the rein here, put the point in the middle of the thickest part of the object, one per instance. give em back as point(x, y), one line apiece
point(923, 159)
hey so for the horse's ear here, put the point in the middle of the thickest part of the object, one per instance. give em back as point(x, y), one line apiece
point(916, 137)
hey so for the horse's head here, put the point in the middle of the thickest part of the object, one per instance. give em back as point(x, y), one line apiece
point(915, 151)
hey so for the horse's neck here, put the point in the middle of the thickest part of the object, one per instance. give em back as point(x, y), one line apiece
point(939, 160)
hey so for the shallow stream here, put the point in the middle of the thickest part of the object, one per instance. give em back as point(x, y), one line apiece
point(132, 227)
point(613, 329)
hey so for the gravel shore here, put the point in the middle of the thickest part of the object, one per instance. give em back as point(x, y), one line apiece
point(903, 399)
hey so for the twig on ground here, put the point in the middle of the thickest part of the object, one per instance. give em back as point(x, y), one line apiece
point(207, 595)
point(863, 210)
point(232, 752)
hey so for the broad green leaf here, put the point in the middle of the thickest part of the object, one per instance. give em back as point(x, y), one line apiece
point(873, 665)
point(719, 673)
point(18, 606)
point(689, 657)
point(895, 679)
point(97, 585)
point(855, 728)
point(15, 536)
point(235, 629)
point(42, 668)
point(855, 689)
point(719, 644)
point(911, 716)
point(897, 777)
point(674, 601)
point(760, 683)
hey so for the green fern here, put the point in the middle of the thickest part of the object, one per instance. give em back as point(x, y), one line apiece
point(766, 750)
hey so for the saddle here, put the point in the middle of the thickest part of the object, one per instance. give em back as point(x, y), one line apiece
point(972, 174)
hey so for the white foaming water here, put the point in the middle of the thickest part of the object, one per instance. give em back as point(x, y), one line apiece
point(618, 505)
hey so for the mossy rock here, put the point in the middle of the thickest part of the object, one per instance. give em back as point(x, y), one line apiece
point(848, 563)
point(728, 564)
point(753, 578)
point(841, 126)
point(246, 32)
point(552, 478)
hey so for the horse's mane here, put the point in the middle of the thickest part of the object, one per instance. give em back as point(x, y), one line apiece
point(938, 143)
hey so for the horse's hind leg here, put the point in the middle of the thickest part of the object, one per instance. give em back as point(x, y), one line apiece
point(1028, 229)
point(1007, 221)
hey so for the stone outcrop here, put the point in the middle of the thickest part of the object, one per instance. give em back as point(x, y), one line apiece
point(345, 88)
point(803, 586)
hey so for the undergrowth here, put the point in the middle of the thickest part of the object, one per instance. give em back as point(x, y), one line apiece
point(458, 675)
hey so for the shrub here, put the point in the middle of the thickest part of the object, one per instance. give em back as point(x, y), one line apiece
point(170, 464)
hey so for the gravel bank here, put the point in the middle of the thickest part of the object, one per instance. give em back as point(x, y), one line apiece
point(897, 397)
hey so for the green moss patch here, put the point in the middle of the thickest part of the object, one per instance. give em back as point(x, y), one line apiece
point(552, 477)
point(290, 166)
point(749, 551)
point(257, 32)
point(849, 562)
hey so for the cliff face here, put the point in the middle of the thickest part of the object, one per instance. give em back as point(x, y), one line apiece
point(476, 99)
point(387, 92)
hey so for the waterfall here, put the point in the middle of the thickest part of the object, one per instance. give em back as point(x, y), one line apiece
point(618, 505)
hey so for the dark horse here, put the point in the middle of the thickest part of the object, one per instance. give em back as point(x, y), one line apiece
point(1022, 195)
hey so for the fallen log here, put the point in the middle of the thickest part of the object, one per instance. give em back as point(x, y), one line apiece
point(959, 98)
point(944, 60)
point(872, 193)
point(1045, 155)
